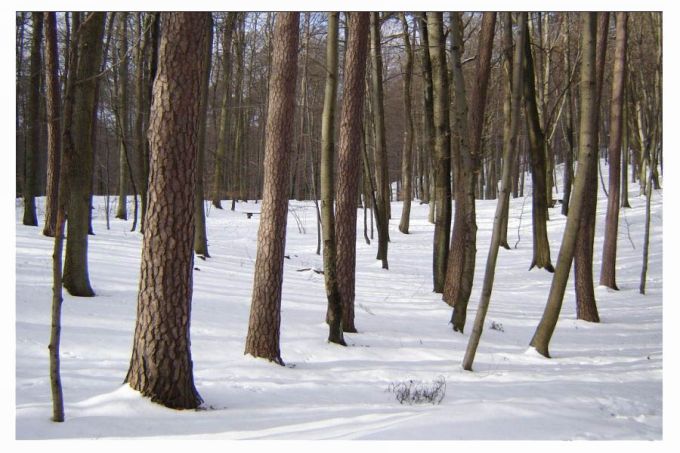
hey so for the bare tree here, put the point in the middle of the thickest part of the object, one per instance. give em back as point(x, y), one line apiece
point(407, 148)
point(31, 155)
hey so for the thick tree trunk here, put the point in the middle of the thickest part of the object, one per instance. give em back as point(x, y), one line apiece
point(407, 147)
point(503, 200)
point(380, 151)
point(265, 311)
point(32, 150)
point(349, 152)
point(53, 91)
point(539, 212)
point(586, 306)
point(200, 233)
point(334, 311)
point(219, 184)
point(76, 277)
point(546, 327)
point(161, 367)
point(608, 269)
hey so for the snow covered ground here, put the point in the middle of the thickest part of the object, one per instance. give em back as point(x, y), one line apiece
point(603, 382)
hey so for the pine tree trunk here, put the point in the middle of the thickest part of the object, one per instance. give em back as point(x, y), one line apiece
point(76, 277)
point(265, 312)
point(546, 327)
point(53, 91)
point(200, 233)
point(407, 148)
point(608, 269)
point(349, 155)
point(32, 150)
point(161, 367)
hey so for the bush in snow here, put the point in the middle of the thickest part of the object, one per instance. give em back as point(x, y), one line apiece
point(416, 392)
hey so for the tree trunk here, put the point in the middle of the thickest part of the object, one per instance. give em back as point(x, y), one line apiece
point(586, 307)
point(407, 148)
point(219, 185)
point(539, 212)
point(546, 327)
point(442, 146)
point(507, 116)
point(53, 91)
point(265, 312)
point(569, 151)
point(380, 154)
point(503, 199)
point(334, 311)
point(608, 269)
point(428, 132)
point(349, 154)
point(122, 116)
point(32, 150)
point(625, 153)
point(76, 277)
point(200, 233)
point(140, 113)
point(161, 367)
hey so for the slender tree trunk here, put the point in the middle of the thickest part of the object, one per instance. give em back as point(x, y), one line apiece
point(546, 327)
point(503, 199)
point(507, 117)
point(32, 150)
point(407, 148)
point(349, 152)
point(569, 151)
point(200, 233)
point(428, 126)
point(223, 134)
point(586, 306)
point(161, 367)
point(53, 89)
point(122, 116)
point(140, 113)
point(265, 312)
point(76, 276)
point(625, 153)
point(442, 147)
point(608, 269)
point(334, 311)
point(380, 154)
point(539, 212)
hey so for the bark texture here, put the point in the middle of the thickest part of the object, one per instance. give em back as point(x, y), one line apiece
point(161, 367)
point(265, 311)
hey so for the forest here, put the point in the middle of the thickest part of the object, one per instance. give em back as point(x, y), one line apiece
point(419, 176)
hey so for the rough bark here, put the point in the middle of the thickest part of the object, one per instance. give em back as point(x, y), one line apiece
point(334, 311)
point(349, 152)
point(608, 269)
point(76, 277)
point(407, 147)
point(539, 212)
point(442, 146)
point(200, 233)
point(53, 92)
point(265, 312)
point(546, 327)
point(32, 150)
point(161, 367)
point(380, 150)
point(586, 306)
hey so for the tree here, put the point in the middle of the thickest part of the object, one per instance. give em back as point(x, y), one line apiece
point(33, 143)
point(334, 312)
point(122, 115)
point(509, 148)
point(608, 269)
point(442, 146)
point(265, 311)
point(428, 137)
point(76, 276)
point(200, 233)
point(219, 184)
point(407, 148)
point(349, 152)
point(546, 327)
point(380, 154)
point(53, 92)
point(161, 366)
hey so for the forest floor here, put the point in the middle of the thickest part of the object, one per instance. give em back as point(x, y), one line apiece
point(604, 380)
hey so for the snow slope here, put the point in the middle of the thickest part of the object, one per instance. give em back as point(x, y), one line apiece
point(603, 382)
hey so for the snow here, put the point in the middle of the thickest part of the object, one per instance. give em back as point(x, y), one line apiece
point(603, 382)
